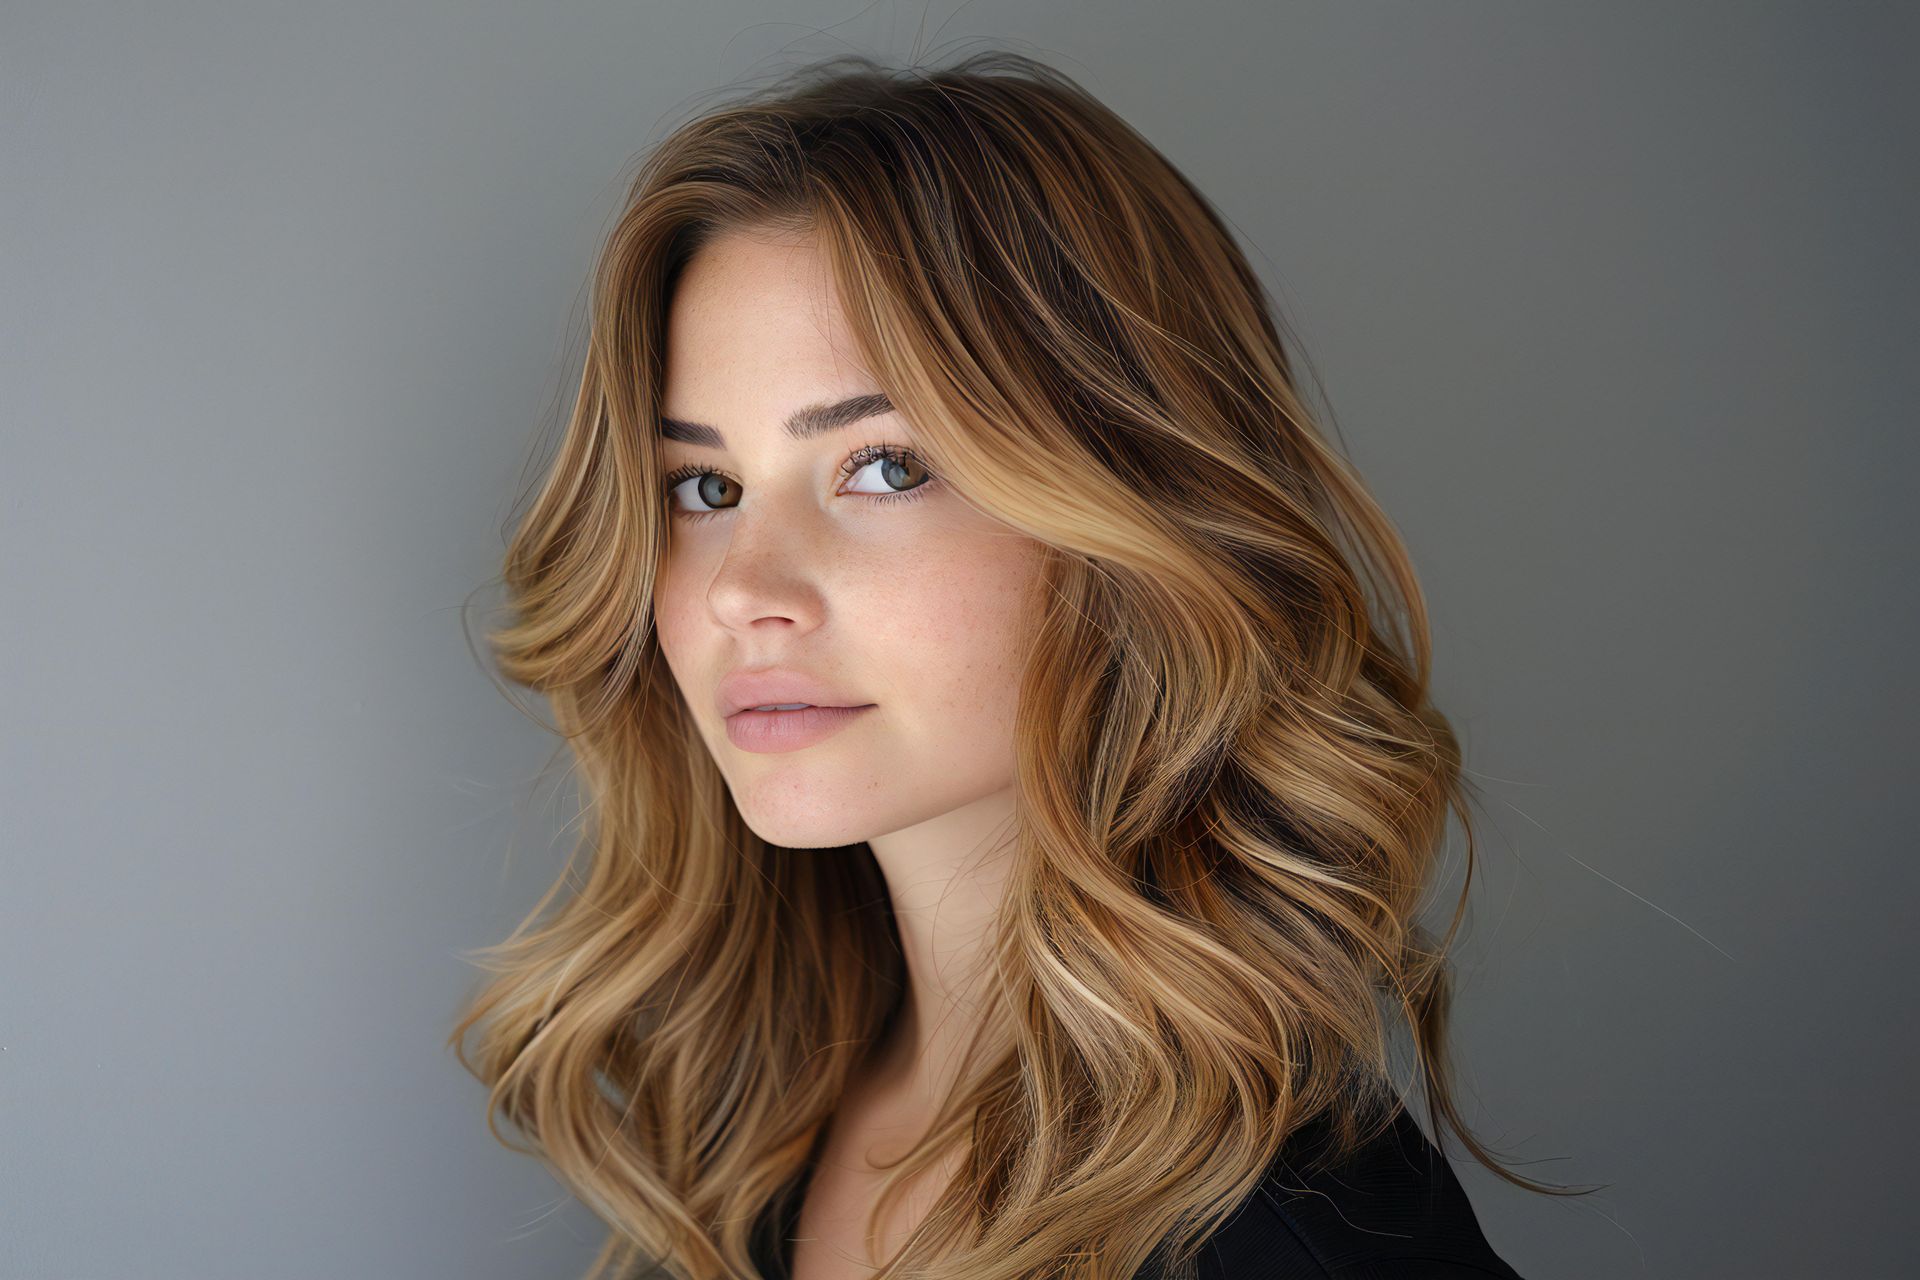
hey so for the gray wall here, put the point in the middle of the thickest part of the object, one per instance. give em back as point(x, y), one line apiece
point(1613, 305)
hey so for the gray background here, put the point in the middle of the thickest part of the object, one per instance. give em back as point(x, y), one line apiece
point(1612, 304)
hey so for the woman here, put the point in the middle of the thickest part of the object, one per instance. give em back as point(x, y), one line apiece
point(1008, 803)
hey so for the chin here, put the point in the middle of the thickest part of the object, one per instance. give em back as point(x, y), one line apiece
point(799, 812)
point(807, 831)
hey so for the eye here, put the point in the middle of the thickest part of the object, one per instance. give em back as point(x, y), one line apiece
point(890, 465)
point(900, 475)
point(710, 486)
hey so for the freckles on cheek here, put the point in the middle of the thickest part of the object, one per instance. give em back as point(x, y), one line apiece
point(959, 624)
point(674, 616)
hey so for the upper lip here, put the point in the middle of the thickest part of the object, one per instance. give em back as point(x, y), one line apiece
point(772, 686)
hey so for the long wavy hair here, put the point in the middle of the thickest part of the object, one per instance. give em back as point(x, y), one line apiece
point(1232, 785)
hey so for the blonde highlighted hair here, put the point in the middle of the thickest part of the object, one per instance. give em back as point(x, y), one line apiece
point(1232, 784)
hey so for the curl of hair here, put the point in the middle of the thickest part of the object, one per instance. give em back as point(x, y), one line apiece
point(1232, 785)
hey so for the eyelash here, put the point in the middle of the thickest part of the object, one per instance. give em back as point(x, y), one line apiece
point(861, 457)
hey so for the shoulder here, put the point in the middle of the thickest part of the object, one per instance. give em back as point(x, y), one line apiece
point(1391, 1211)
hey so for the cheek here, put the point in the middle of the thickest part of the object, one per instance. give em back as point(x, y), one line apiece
point(948, 624)
point(675, 622)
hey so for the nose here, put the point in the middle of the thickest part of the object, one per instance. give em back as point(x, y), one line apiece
point(767, 577)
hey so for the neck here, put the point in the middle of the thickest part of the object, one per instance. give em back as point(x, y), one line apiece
point(947, 879)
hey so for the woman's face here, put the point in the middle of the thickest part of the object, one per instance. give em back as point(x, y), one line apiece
point(833, 555)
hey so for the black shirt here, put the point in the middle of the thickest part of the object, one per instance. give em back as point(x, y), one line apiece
point(1391, 1211)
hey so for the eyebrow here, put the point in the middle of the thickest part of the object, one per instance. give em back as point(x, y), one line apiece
point(802, 424)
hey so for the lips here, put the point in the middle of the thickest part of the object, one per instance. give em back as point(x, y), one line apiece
point(773, 732)
point(773, 686)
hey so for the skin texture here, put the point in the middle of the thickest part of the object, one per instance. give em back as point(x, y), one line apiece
point(913, 606)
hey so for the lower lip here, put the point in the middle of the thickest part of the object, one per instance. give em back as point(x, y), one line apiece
point(774, 731)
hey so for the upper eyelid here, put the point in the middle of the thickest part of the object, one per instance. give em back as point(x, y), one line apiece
point(865, 455)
